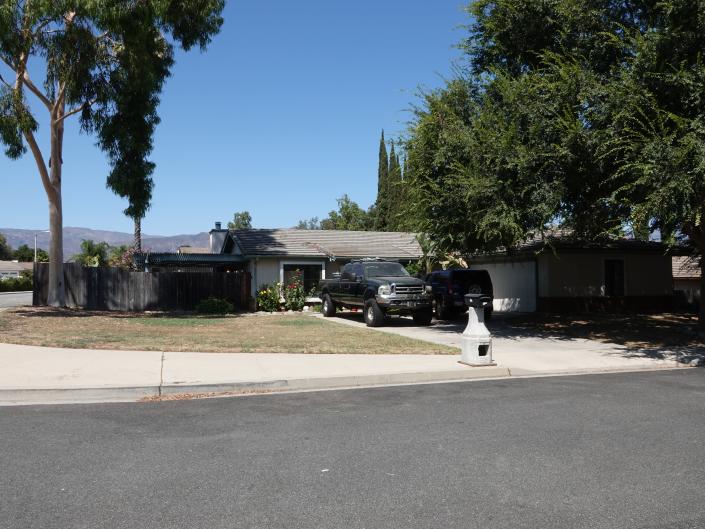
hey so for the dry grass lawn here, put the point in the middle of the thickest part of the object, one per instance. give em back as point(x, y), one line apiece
point(246, 333)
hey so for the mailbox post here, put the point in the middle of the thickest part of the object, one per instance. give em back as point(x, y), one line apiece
point(476, 342)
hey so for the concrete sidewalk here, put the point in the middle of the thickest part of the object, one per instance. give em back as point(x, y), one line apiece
point(30, 375)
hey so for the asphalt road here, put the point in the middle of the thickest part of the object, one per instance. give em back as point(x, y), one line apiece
point(605, 451)
point(15, 299)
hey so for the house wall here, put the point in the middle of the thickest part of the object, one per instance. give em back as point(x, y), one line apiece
point(582, 275)
point(689, 287)
point(514, 284)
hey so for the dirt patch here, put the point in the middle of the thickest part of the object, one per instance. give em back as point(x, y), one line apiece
point(243, 333)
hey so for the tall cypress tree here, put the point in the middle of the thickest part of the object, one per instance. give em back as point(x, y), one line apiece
point(393, 192)
point(382, 204)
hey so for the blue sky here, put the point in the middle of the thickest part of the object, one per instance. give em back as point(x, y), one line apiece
point(280, 116)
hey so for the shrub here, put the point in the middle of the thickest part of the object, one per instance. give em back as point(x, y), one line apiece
point(294, 295)
point(213, 305)
point(16, 284)
point(268, 297)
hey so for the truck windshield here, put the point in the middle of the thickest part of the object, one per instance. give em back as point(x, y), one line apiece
point(385, 270)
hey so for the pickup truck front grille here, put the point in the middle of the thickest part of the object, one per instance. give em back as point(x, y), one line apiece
point(409, 290)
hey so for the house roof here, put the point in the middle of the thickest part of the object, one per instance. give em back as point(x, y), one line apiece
point(190, 259)
point(14, 266)
point(325, 243)
point(685, 268)
point(193, 249)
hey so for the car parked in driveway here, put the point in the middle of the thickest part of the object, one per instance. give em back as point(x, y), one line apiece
point(379, 288)
point(448, 289)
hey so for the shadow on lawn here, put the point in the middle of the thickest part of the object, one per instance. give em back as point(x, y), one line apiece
point(52, 312)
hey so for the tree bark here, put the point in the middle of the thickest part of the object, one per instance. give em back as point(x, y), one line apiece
point(57, 292)
point(138, 235)
point(701, 314)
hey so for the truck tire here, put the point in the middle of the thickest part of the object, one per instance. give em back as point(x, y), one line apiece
point(423, 317)
point(374, 316)
point(443, 311)
point(327, 307)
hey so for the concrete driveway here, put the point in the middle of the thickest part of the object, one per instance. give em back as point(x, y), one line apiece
point(525, 354)
point(15, 299)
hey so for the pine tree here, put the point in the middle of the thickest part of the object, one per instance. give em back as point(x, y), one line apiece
point(382, 203)
point(393, 192)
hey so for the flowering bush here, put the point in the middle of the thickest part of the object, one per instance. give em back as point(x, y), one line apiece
point(294, 295)
point(268, 297)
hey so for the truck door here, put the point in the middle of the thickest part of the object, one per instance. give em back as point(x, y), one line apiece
point(347, 283)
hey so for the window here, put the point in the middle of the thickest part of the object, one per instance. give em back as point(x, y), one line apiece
point(385, 269)
point(311, 274)
point(347, 273)
point(357, 271)
point(614, 277)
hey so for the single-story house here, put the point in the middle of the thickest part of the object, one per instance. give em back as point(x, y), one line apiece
point(573, 276)
point(686, 278)
point(273, 255)
point(12, 269)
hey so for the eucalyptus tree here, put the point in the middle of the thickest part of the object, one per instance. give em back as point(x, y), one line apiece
point(103, 62)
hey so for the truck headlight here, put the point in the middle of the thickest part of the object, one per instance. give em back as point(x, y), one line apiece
point(384, 290)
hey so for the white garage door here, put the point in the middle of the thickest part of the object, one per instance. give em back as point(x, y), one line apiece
point(514, 285)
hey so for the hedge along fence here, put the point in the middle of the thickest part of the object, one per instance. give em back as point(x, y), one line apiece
point(119, 289)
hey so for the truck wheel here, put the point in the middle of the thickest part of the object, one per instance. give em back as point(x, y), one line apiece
point(374, 316)
point(423, 317)
point(328, 307)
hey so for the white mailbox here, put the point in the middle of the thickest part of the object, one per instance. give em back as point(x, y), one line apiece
point(476, 343)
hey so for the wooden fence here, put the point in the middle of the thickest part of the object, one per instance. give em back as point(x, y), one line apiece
point(118, 289)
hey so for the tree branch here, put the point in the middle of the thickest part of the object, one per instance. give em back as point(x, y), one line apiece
point(41, 165)
point(28, 82)
point(76, 110)
point(5, 82)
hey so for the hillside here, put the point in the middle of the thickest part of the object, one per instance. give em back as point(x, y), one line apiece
point(74, 236)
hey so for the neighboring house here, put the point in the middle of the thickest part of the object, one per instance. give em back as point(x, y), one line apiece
point(274, 255)
point(10, 269)
point(686, 279)
point(573, 276)
point(192, 249)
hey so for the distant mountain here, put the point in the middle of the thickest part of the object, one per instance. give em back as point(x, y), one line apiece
point(74, 236)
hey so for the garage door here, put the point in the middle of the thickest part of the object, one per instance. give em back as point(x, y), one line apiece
point(514, 285)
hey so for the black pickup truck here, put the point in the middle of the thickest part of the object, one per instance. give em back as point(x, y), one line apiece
point(378, 287)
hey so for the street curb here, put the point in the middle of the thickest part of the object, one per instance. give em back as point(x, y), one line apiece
point(29, 396)
point(16, 292)
point(34, 396)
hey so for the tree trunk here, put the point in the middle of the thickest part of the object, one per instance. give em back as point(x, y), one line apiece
point(57, 291)
point(701, 315)
point(138, 235)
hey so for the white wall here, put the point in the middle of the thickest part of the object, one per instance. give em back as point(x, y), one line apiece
point(514, 285)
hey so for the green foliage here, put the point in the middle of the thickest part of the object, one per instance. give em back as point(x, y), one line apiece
point(242, 220)
point(93, 253)
point(213, 305)
point(268, 297)
point(17, 284)
point(583, 115)
point(349, 216)
point(294, 295)
point(383, 191)
point(25, 254)
point(5, 249)
point(311, 224)
point(122, 257)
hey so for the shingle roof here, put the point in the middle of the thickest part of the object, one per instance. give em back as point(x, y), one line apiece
point(327, 243)
point(685, 268)
point(14, 266)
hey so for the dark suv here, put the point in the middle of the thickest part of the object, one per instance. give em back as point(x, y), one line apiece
point(450, 286)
